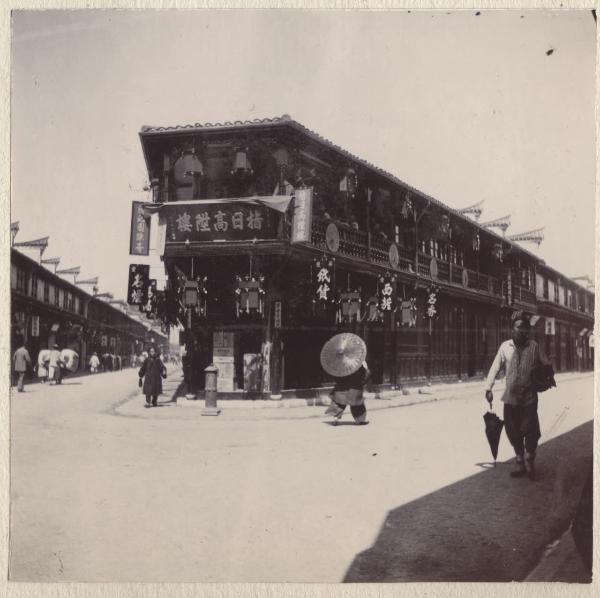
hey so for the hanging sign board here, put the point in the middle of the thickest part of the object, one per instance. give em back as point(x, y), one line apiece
point(140, 230)
point(139, 280)
point(302, 216)
point(550, 326)
point(277, 315)
point(200, 222)
point(35, 325)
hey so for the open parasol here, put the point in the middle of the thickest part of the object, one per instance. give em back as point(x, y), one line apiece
point(343, 354)
point(493, 430)
point(70, 358)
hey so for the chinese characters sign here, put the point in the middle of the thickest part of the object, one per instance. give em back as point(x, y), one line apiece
point(323, 280)
point(302, 218)
point(386, 294)
point(432, 299)
point(137, 288)
point(140, 230)
point(209, 221)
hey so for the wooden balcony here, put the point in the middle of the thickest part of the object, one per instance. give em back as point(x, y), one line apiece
point(358, 245)
point(453, 274)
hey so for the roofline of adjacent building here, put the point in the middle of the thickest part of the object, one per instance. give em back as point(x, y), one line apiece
point(78, 289)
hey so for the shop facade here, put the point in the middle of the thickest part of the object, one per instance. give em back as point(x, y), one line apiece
point(274, 239)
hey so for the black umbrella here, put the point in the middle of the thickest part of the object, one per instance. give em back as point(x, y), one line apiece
point(493, 430)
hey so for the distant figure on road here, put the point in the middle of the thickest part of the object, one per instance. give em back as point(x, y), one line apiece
point(94, 363)
point(21, 361)
point(55, 365)
point(152, 371)
point(518, 356)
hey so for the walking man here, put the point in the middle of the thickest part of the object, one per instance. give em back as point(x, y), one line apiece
point(54, 369)
point(152, 371)
point(21, 361)
point(518, 356)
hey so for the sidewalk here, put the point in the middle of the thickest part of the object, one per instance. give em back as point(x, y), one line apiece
point(386, 399)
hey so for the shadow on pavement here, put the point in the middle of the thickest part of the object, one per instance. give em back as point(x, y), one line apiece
point(488, 527)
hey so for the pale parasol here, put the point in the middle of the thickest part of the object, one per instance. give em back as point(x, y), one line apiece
point(343, 354)
point(70, 358)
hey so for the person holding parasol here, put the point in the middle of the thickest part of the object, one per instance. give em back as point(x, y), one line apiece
point(343, 357)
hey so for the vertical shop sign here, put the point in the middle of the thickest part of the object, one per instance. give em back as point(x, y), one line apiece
point(140, 230)
point(35, 325)
point(150, 305)
point(302, 216)
point(277, 318)
point(137, 288)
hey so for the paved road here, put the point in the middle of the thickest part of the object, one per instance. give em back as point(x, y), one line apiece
point(105, 490)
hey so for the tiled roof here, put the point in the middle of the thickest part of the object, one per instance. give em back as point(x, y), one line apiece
point(286, 119)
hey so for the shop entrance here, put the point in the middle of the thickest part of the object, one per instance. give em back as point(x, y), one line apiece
point(302, 351)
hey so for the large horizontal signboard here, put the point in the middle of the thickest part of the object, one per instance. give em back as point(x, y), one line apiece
point(201, 222)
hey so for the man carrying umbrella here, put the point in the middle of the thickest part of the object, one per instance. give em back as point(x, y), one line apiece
point(343, 357)
point(519, 356)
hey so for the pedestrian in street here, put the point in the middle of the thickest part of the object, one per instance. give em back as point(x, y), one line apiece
point(152, 371)
point(94, 363)
point(344, 357)
point(518, 356)
point(21, 361)
point(54, 366)
point(42, 365)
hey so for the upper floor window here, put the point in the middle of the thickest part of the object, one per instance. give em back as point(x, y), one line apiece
point(13, 276)
point(70, 301)
point(61, 298)
point(539, 285)
point(46, 297)
point(21, 280)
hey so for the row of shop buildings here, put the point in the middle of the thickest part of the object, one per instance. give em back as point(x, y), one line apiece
point(274, 239)
point(51, 306)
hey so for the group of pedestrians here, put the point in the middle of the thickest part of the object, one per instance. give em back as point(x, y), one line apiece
point(49, 366)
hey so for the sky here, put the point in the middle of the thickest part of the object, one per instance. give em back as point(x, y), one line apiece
point(463, 107)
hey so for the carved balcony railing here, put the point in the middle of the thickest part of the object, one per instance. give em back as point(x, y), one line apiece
point(356, 244)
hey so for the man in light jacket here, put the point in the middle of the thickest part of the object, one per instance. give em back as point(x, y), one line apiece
point(518, 356)
point(21, 361)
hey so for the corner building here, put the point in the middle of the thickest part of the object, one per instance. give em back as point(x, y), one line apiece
point(284, 239)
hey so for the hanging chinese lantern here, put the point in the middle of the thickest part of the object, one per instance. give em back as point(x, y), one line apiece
point(407, 207)
point(408, 312)
point(372, 309)
point(349, 182)
point(241, 162)
point(349, 306)
point(249, 295)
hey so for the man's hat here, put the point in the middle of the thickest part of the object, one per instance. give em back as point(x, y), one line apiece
point(55, 346)
point(522, 316)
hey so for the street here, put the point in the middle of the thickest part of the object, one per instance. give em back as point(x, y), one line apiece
point(105, 490)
